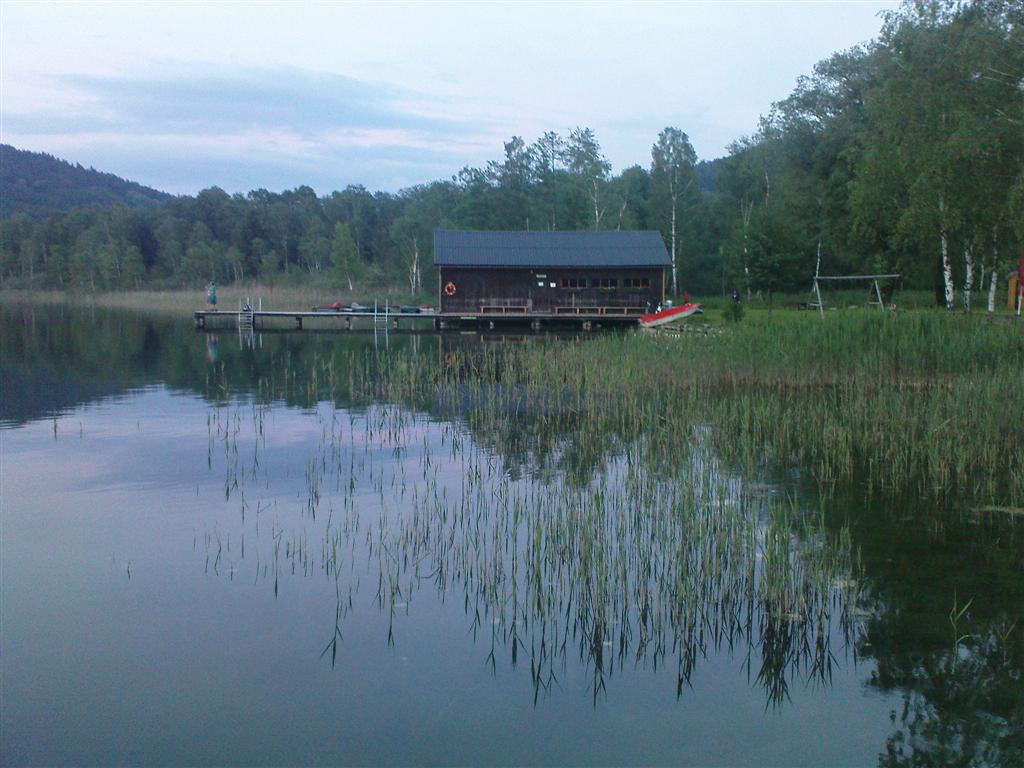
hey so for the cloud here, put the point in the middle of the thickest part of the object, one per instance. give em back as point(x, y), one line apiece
point(270, 128)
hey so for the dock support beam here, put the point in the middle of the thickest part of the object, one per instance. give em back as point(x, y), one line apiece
point(298, 322)
point(535, 325)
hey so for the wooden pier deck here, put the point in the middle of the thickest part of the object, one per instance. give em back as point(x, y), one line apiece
point(583, 318)
point(262, 317)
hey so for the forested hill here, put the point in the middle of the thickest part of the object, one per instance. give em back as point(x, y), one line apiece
point(38, 184)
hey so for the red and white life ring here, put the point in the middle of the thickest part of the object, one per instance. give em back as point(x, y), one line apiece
point(449, 289)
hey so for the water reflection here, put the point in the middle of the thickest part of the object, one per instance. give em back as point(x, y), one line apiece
point(943, 611)
point(574, 548)
point(629, 569)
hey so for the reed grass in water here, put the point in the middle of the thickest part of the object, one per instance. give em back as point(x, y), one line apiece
point(609, 497)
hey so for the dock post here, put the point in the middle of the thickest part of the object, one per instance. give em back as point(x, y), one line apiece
point(587, 325)
point(298, 322)
point(535, 325)
point(348, 323)
point(394, 323)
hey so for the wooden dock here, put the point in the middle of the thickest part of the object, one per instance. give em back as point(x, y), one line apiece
point(261, 318)
point(255, 319)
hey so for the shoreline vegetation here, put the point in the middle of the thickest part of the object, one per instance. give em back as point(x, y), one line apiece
point(303, 296)
point(914, 403)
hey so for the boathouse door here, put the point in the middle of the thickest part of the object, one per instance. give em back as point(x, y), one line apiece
point(544, 287)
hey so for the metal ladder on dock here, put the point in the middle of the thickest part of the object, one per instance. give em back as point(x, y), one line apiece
point(246, 317)
point(246, 326)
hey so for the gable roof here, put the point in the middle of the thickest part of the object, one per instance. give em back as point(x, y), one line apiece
point(613, 248)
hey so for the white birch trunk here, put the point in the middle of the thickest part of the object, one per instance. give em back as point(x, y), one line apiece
point(969, 276)
point(348, 268)
point(414, 269)
point(947, 267)
point(994, 266)
point(746, 213)
point(675, 285)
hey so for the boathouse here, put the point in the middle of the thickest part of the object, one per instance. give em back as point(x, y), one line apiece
point(582, 277)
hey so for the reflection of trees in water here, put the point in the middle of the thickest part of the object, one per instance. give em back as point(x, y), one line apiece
point(57, 357)
point(945, 628)
point(963, 705)
point(630, 568)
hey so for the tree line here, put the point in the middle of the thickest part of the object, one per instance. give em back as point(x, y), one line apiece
point(903, 155)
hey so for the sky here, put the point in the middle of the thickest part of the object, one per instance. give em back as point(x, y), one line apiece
point(182, 96)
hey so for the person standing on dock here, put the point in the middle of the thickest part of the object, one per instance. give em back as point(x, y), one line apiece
point(211, 294)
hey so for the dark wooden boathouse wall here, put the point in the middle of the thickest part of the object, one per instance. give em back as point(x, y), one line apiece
point(583, 277)
point(585, 290)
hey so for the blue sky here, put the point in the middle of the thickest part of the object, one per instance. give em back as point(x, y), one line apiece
point(187, 95)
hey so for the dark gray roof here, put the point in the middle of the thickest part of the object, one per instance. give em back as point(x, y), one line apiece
point(459, 248)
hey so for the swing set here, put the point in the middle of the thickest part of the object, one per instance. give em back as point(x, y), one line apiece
point(874, 289)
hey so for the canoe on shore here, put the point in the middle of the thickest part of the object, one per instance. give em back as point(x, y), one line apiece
point(670, 315)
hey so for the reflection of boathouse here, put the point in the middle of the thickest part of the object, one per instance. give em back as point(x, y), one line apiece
point(583, 278)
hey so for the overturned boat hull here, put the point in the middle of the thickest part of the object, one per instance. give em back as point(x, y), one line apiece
point(670, 315)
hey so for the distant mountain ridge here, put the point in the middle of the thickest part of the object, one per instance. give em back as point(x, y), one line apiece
point(38, 184)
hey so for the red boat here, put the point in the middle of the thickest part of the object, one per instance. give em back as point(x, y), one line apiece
point(670, 315)
point(335, 307)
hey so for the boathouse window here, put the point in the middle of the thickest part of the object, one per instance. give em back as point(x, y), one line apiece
point(574, 283)
point(606, 283)
point(636, 282)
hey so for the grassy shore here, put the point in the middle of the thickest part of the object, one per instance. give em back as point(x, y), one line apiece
point(920, 402)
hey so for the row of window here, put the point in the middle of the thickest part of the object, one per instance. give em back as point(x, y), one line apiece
point(608, 283)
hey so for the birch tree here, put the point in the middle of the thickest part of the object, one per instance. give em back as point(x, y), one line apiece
point(585, 161)
point(344, 255)
point(672, 173)
point(942, 124)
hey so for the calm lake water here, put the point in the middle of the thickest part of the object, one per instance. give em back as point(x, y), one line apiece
point(211, 558)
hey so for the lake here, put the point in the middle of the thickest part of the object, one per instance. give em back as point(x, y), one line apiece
point(221, 549)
